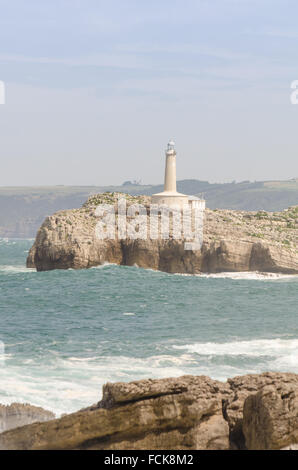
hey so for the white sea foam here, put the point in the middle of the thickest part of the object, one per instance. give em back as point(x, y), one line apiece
point(7, 241)
point(256, 276)
point(104, 265)
point(75, 382)
point(241, 275)
point(16, 269)
point(72, 383)
point(254, 348)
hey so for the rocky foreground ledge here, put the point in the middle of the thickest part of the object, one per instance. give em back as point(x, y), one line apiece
point(189, 412)
point(233, 241)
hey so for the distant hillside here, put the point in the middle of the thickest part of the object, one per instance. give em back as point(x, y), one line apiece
point(269, 196)
point(22, 209)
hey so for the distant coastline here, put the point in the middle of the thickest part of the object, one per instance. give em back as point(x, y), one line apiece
point(23, 209)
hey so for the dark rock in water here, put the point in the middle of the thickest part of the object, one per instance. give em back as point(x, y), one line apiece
point(189, 412)
point(19, 414)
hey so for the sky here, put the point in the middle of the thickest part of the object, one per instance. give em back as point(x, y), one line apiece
point(96, 88)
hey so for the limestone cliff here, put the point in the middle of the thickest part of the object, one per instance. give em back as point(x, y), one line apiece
point(233, 241)
point(189, 412)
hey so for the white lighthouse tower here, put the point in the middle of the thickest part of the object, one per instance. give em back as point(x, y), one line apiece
point(170, 170)
point(169, 196)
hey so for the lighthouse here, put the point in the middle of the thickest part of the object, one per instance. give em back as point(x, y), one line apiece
point(170, 170)
point(170, 197)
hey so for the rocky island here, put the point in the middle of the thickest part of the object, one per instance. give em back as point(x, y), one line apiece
point(254, 412)
point(233, 241)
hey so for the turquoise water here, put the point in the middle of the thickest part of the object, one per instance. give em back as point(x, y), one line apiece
point(65, 333)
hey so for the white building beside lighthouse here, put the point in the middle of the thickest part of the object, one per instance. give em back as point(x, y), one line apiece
point(169, 196)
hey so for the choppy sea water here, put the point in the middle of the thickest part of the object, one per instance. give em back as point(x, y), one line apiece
point(66, 333)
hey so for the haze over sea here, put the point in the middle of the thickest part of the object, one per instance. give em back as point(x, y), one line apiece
point(66, 333)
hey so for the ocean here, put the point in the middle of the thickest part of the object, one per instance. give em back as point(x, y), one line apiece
point(65, 333)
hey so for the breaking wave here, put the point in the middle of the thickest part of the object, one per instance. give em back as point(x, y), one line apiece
point(248, 275)
point(254, 348)
point(75, 382)
point(16, 269)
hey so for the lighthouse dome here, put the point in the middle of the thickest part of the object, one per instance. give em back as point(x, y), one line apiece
point(171, 145)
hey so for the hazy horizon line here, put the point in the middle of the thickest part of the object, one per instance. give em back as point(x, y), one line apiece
point(147, 184)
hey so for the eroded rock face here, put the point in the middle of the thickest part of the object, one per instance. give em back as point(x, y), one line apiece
point(241, 388)
point(18, 414)
point(233, 241)
point(189, 412)
point(270, 417)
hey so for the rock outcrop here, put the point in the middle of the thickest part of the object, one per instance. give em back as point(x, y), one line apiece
point(233, 241)
point(19, 414)
point(242, 388)
point(189, 412)
point(270, 417)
